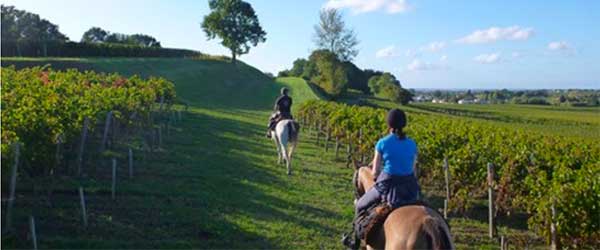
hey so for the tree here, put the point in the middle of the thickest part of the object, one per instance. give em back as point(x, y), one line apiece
point(235, 22)
point(144, 40)
point(94, 35)
point(331, 77)
point(298, 67)
point(332, 34)
point(357, 79)
point(388, 87)
point(22, 27)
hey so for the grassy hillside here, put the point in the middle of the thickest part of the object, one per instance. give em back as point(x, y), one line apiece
point(216, 184)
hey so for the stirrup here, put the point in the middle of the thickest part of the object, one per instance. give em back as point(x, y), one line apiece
point(351, 241)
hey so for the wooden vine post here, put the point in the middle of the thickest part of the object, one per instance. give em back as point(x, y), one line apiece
point(554, 244)
point(84, 132)
point(162, 101)
point(490, 181)
point(327, 139)
point(318, 132)
point(114, 178)
point(447, 178)
point(337, 146)
point(13, 184)
point(360, 143)
point(130, 157)
point(106, 129)
point(32, 232)
point(59, 149)
point(83, 210)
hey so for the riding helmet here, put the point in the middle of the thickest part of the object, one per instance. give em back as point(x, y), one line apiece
point(396, 119)
point(284, 91)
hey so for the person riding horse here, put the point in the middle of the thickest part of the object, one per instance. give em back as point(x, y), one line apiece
point(282, 109)
point(396, 183)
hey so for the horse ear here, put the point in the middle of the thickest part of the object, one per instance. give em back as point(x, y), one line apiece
point(357, 164)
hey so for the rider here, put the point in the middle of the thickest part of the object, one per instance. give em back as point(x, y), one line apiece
point(396, 183)
point(282, 108)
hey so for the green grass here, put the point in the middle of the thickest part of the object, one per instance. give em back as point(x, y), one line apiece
point(216, 184)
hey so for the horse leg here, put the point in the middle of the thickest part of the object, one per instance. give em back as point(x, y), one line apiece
point(276, 139)
point(289, 157)
point(284, 153)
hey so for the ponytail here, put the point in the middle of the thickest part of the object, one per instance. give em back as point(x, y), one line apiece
point(399, 133)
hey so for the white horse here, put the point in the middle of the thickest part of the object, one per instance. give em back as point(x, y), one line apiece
point(286, 134)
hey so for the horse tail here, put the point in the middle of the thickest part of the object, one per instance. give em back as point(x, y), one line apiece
point(292, 128)
point(435, 233)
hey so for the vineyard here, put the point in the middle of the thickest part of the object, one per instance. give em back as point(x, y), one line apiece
point(59, 128)
point(535, 173)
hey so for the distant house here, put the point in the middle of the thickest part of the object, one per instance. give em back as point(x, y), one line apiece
point(472, 101)
point(438, 101)
point(422, 98)
point(466, 101)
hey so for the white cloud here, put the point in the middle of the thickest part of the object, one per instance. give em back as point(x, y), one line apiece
point(364, 6)
point(516, 55)
point(444, 58)
point(488, 58)
point(434, 47)
point(494, 34)
point(389, 51)
point(411, 53)
point(560, 45)
point(418, 65)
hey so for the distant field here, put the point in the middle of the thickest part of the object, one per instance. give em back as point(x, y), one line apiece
point(566, 121)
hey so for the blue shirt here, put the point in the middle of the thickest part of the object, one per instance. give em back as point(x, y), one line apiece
point(398, 155)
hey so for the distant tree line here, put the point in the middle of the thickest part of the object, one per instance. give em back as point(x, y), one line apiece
point(330, 66)
point(564, 97)
point(98, 35)
point(27, 34)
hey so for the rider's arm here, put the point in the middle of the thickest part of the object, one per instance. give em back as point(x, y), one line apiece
point(376, 164)
point(276, 104)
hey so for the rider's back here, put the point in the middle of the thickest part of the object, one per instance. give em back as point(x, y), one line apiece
point(398, 155)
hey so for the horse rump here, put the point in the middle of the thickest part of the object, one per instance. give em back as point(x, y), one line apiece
point(293, 129)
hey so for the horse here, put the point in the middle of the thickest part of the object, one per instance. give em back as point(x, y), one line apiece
point(406, 227)
point(286, 134)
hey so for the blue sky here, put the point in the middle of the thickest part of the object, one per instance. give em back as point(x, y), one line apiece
point(425, 43)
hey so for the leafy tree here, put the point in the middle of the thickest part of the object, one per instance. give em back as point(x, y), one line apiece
point(332, 34)
point(298, 67)
point(21, 27)
point(310, 70)
point(144, 40)
point(236, 23)
point(331, 75)
point(388, 87)
point(283, 73)
point(94, 35)
point(357, 79)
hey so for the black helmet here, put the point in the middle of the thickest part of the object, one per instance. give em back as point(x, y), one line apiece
point(396, 119)
point(284, 91)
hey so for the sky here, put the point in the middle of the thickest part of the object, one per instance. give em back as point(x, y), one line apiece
point(426, 44)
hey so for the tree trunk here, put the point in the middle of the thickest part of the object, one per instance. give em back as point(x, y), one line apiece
point(233, 57)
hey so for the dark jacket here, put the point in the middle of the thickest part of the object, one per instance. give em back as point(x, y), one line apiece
point(283, 104)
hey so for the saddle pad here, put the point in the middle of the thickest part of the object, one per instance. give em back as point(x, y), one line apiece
point(372, 218)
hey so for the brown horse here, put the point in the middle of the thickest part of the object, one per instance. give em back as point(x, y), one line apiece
point(407, 227)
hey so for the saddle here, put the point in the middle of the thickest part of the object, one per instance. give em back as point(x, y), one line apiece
point(370, 219)
point(277, 117)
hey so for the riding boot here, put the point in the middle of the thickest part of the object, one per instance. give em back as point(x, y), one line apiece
point(268, 134)
point(351, 240)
